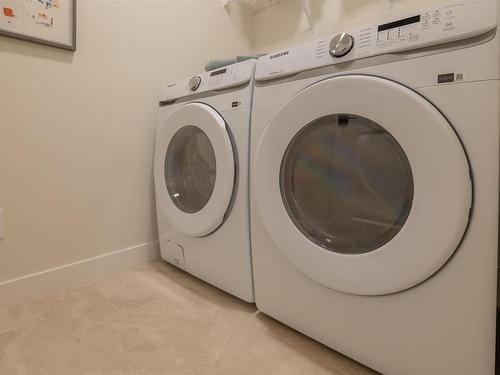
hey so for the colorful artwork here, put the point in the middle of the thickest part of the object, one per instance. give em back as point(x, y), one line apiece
point(44, 21)
point(49, 3)
point(8, 12)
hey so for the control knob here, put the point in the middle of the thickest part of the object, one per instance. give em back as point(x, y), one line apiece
point(341, 45)
point(194, 83)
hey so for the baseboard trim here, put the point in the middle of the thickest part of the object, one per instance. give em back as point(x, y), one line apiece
point(75, 274)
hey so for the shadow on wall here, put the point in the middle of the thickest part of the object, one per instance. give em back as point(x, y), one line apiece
point(284, 20)
point(38, 51)
point(349, 7)
point(287, 22)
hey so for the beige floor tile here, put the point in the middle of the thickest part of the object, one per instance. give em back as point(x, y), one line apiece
point(49, 351)
point(135, 339)
point(89, 304)
point(181, 338)
point(139, 362)
point(6, 321)
point(156, 320)
point(29, 313)
point(104, 337)
point(127, 290)
point(11, 357)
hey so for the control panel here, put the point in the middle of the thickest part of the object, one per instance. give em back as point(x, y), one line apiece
point(446, 23)
point(219, 79)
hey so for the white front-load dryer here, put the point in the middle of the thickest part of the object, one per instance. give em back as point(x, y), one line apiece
point(374, 200)
point(201, 177)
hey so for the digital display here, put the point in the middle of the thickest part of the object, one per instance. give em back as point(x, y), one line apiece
point(217, 72)
point(400, 23)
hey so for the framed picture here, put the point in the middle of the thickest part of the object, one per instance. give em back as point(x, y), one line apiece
point(50, 22)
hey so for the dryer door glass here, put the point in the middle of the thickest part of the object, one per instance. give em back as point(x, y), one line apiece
point(346, 184)
point(190, 169)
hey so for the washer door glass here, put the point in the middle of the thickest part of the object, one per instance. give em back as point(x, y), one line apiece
point(190, 169)
point(346, 184)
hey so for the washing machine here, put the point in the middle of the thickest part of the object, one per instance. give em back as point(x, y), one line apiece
point(201, 175)
point(374, 200)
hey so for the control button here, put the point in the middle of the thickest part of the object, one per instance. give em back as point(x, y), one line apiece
point(449, 26)
point(341, 45)
point(194, 83)
point(413, 37)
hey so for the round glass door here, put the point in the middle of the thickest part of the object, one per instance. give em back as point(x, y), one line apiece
point(194, 169)
point(190, 169)
point(364, 196)
point(346, 183)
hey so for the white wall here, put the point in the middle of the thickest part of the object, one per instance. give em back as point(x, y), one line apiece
point(285, 24)
point(77, 130)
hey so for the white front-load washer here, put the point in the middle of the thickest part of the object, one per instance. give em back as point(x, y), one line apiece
point(374, 199)
point(201, 171)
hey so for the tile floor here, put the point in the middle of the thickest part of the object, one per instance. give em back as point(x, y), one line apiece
point(155, 320)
